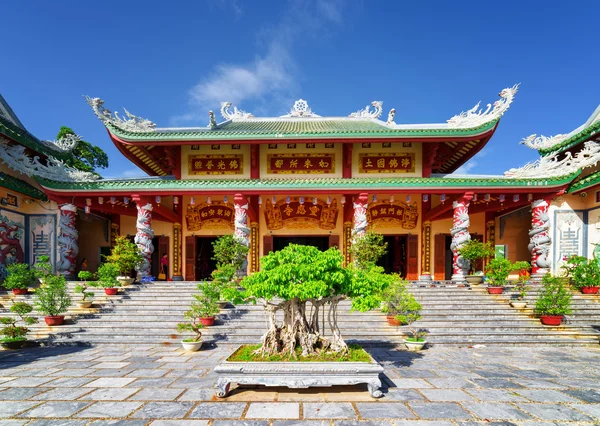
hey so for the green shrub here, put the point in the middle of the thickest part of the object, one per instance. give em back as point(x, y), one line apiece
point(53, 298)
point(585, 273)
point(42, 268)
point(227, 250)
point(498, 271)
point(474, 250)
point(19, 276)
point(81, 288)
point(107, 275)
point(554, 299)
point(11, 332)
point(368, 249)
point(126, 255)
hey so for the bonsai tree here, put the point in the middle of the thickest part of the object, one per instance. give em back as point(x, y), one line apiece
point(521, 287)
point(107, 275)
point(126, 255)
point(193, 323)
point(570, 264)
point(367, 249)
point(392, 296)
point(293, 278)
point(19, 277)
point(42, 268)
point(522, 266)
point(585, 273)
point(81, 288)
point(554, 299)
point(11, 332)
point(205, 304)
point(474, 250)
point(498, 271)
point(229, 251)
point(408, 312)
point(53, 298)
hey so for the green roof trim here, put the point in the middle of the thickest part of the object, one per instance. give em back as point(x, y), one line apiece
point(586, 182)
point(297, 129)
point(26, 139)
point(10, 182)
point(333, 184)
point(576, 139)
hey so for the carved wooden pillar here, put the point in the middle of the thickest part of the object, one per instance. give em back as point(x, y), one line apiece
point(539, 238)
point(426, 252)
point(490, 233)
point(177, 275)
point(144, 234)
point(67, 240)
point(460, 235)
point(347, 242)
point(254, 263)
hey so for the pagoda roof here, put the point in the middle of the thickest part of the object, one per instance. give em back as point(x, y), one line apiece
point(19, 185)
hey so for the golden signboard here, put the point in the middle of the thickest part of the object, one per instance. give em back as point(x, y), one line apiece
point(209, 216)
point(387, 162)
point(216, 164)
point(304, 215)
point(397, 213)
point(301, 163)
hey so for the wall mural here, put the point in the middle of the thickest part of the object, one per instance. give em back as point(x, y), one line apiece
point(42, 237)
point(305, 215)
point(569, 236)
point(209, 216)
point(12, 240)
point(397, 214)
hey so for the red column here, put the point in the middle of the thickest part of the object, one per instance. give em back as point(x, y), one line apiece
point(360, 215)
point(144, 234)
point(539, 237)
point(460, 235)
point(67, 240)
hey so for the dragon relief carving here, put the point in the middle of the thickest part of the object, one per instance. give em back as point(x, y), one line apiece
point(460, 236)
point(236, 114)
point(67, 240)
point(539, 237)
point(65, 144)
point(543, 142)
point(132, 123)
point(143, 238)
point(476, 117)
point(367, 113)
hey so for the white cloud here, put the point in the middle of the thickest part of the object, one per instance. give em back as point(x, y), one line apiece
point(271, 78)
point(466, 168)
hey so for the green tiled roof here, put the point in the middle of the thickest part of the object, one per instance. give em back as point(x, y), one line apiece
point(333, 184)
point(26, 139)
point(297, 129)
point(9, 182)
point(586, 182)
point(577, 138)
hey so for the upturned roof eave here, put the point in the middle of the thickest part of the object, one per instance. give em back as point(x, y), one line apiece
point(577, 138)
point(25, 138)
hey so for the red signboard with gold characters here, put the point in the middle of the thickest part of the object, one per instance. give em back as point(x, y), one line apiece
point(300, 163)
point(387, 162)
point(397, 213)
point(209, 216)
point(216, 164)
point(305, 215)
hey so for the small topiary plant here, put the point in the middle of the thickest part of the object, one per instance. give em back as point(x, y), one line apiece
point(107, 275)
point(42, 268)
point(585, 273)
point(408, 312)
point(474, 250)
point(194, 324)
point(206, 302)
point(554, 299)
point(11, 332)
point(81, 288)
point(53, 298)
point(126, 255)
point(228, 250)
point(20, 276)
point(498, 271)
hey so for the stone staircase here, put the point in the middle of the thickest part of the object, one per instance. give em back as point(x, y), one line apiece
point(462, 315)
point(147, 314)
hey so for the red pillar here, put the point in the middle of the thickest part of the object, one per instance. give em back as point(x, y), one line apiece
point(460, 235)
point(360, 215)
point(539, 237)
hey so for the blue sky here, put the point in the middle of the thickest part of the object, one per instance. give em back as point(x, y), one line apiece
point(429, 60)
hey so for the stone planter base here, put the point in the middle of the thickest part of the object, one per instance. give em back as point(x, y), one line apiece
point(125, 281)
point(13, 345)
point(299, 375)
point(518, 305)
point(474, 279)
point(191, 346)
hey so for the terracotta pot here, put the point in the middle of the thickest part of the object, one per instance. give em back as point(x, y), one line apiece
point(54, 320)
point(590, 290)
point(495, 290)
point(208, 321)
point(393, 321)
point(111, 291)
point(19, 291)
point(551, 319)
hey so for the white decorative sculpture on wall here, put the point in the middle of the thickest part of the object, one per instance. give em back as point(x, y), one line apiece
point(476, 117)
point(65, 144)
point(300, 109)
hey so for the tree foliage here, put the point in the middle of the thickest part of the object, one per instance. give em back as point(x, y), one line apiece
point(126, 255)
point(85, 156)
point(474, 250)
point(554, 299)
point(368, 249)
point(19, 276)
point(53, 298)
point(498, 271)
point(229, 251)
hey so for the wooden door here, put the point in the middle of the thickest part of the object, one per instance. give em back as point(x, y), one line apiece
point(439, 257)
point(267, 244)
point(412, 257)
point(190, 258)
point(163, 248)
point(334, 241)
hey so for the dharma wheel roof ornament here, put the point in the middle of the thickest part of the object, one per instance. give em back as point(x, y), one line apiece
point(132, 123)
point(301, 109)
point(367, 113)
point(476, 117)
point(236, 114)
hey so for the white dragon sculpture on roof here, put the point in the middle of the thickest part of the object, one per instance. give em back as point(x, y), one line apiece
point(367, 113)
point(476, 117)
point(236, 114)
point(132, 123)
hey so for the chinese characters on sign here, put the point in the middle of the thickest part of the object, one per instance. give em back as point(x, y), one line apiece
point(398, 213)
point(216, 164)
point(300, 163)
point(387, 163)
point(296, 215)
point(209, 216)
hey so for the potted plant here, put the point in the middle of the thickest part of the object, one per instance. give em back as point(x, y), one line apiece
point(14, 336)
point(206, 303)
point(19, 278)
point(368, 249)
point(81, 288)
point(497, 272)
point(408, 312)
point(228, 250)
point(107, 278)
point(42, 268)
point(523, 267)
point(554, 301)
point(391, 298)
point(53, 299)
point(522, 288)
point(586, 276)
point(127, 256)
point(222, 278)
point(472, 251)
point(194, 324)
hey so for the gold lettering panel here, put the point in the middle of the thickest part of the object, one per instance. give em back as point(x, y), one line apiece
point(298, 215)
point(216, 164)
point(209, 216)
point(397, 213)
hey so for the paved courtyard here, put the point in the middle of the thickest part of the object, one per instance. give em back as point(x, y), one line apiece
point(162, 385)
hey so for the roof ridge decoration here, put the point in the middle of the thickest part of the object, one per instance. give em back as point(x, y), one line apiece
point(15, 157)
point(133, 123)
point(65, 144)
point(476, 117)
point(367, 113)
point(551, 166)
point(237, 114)
point(301, 109)
point(543, 142)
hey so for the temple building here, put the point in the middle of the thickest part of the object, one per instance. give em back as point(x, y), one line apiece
point(301, 178)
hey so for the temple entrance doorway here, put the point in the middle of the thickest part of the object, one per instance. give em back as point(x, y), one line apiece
point(401, 256)
point(322, 243)
point(161, 246)
point(199, 262)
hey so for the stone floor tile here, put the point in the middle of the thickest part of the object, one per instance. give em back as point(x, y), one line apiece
point(55, 409)
point(411, 373)
point(110, 382)
point(157, 410)
point(301, 423)
point(20, 394)
point(331, 410)
point(297, 395)
point(586, 395)
point(579, 383)
point(6, 379)
point(422, 423)
point(72, 372)
point(61, 394)
point(107, 409)
point(251, 395)
point(191, 382)
point(496, 395)
point(362, 423)
point(147, 372)
point(446, 395)
point(465, 374)
point(589, 409)
point(110, 394)
point(118, 423)
point(240, 423)
point(180, 358)
point(113, 358)
point(111, 372)
point(197, 395)
point(546, 395)
point(111, 365)
point(347, 395)
point(36, 372)
point(451, 383)
point(152, 382)
point(69, 382)
point(273, 410)
point(218, 410)
point(156, 394)
point(179, 423)
point(376, 410)
point(62, 422)
point(496, 411)
point(27, 382)
point(439, 410)
point(539, 383)
point(496, 384)
point(411, 384)
point(555, 412)
point(10, 408)
point(15, 422)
